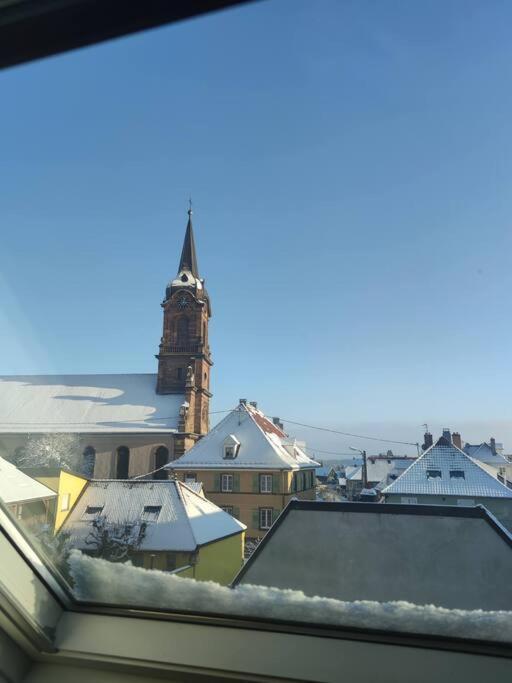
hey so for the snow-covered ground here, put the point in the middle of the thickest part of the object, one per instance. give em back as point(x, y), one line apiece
point(101, 581)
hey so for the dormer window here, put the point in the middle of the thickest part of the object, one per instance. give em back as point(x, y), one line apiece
point(457, 474)
point(434, 474)
point(231, 447)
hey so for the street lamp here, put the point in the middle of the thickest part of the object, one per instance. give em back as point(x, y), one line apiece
point(364, 470)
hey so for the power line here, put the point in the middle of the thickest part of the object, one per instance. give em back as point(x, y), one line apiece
point(356, 436)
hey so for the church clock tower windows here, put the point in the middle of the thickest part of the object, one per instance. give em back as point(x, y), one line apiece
point(184, 358)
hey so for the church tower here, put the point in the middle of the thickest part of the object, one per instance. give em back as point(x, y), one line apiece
point(184, 360)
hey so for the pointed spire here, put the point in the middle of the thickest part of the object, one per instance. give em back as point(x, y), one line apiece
point(188, 259)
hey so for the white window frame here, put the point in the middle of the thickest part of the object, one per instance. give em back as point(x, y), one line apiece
point(65, 502)
point(264, 487)
point(264, 513)
point(226, 483)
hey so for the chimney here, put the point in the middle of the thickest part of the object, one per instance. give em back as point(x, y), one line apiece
point(447, 435)
point(428, 441)
point(243, 401)
point(493, 445)
point(278, 423)
point(253, 404)
point(456, 440)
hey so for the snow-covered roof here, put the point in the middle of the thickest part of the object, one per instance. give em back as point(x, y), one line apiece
point(445, 470)
point(324, 471)
point(262, 445)
point(379, 468)
point(184, 519)
point(18, 487)
point(484, 452)
point(125, 403)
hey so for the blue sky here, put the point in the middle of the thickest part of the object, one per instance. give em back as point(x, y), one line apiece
point(350, 165)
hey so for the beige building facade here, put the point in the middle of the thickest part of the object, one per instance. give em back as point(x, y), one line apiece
point(250, 468)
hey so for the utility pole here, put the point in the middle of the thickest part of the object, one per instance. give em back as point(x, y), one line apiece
point(364, 471)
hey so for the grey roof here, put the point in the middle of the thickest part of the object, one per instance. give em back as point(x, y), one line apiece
point(379, 468)
point(262, 445)
point(484, 452)
point(185, 519)
point(435, 550)
point(443, 458)
point(125, 403)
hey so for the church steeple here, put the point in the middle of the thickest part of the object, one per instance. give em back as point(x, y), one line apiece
point(188, 260)
point(184, 360)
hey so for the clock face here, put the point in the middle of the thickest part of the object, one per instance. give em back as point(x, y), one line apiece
point(183, 302)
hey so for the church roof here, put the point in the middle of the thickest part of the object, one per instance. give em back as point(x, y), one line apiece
point(126, 403)
point(445, 470)
point(178, 519)
point(262, 444)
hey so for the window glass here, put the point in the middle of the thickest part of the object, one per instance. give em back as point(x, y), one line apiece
point(342, 261)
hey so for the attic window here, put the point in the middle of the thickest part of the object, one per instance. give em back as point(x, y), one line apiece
point(92, 511)
point(457, 474)
point(151, 512)
point(231, 447)
point(434, 474)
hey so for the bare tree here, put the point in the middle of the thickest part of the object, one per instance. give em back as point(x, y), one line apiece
point(115, 542)
point(49, 450)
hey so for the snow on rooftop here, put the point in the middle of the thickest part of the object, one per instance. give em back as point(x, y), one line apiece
point(184, 518)
point(18, 487)
point(125, 403)
point(484, 452)
point(262, 444)
point(444, 470)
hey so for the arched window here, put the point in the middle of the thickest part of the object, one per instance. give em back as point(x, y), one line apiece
point(161, 459)
point(123, 462)
point(88, 461)
point(182, 330)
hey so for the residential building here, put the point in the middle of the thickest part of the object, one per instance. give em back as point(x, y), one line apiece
point(361, 551)
point(445, 475)
point(326, 475)
point(491, 455)
point(249, 467)
point(379, 468)
point(30, 501)
point(127, 424)
point(171, 527)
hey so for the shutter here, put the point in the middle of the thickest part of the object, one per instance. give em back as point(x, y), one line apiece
point(256, 484)
point(236, 483)
point(275, 483)
point(216, 482)
point(255, 519)
point(275, 514)
point(236, 513)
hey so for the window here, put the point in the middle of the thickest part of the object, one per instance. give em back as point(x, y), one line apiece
point(265, 483)
point(190, 476)
point(229, 452)
point(466, 502)
point(434, 474)
point(227, 508)
point(265, 518)
point(64, 503)
point(409, 500)
point(226, 483)
point(457, 474)
point(161, 459)
point(123, 462)
point(150, 513)
point(92, 512)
